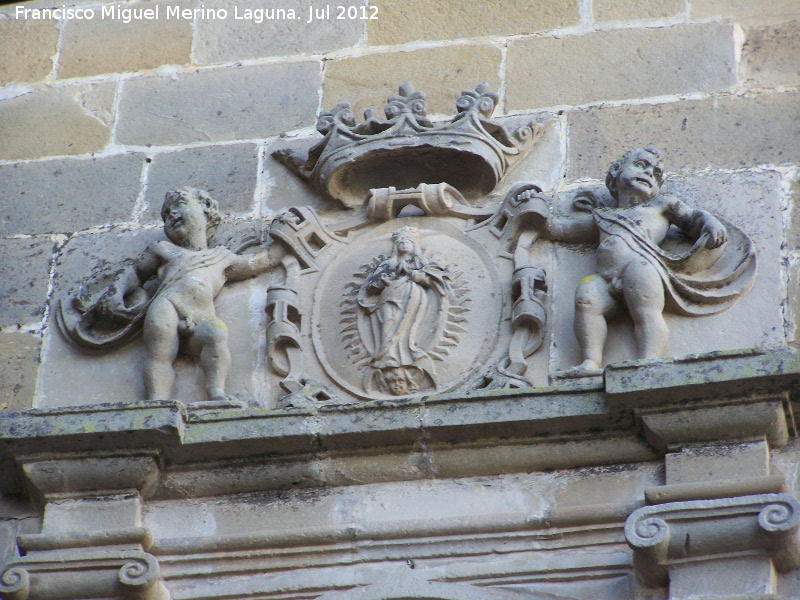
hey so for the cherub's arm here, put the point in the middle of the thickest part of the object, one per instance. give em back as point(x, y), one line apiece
point(251, 265)
point(695, 222)
point(578, 229)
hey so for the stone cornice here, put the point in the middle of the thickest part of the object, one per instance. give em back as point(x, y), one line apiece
point(569, 427)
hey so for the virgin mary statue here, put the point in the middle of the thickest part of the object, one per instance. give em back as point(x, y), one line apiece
point(404, 302)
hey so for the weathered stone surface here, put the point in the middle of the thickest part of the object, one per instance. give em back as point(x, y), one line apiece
point(26, 48)
point(752, 576)
point(228, 173)
point(400, 21)
point(735, 197)
point(620, 10)
point(442, 73)
point(728, 461)
point(56, 121)
point(24, 273)
point(248, 33)
point(19, 364)
point(793, 234)
point(68, 195)
point(724, 132)
point(601, 486)
point(752, 10)
point(110, 45)
point(771, 55)
point(614, 65)
point(792, 314)
point(219, 104)
point(280, 187)
point(544, 164)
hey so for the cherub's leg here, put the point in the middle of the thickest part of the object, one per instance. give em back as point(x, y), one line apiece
point(644, 296)
point(593, 304)
point(161, 344)
point(215, 357)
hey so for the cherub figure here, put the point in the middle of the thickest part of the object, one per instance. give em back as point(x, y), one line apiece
point(179, 315)
point(634, 272)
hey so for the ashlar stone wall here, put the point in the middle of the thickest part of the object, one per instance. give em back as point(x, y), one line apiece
point(100, 117)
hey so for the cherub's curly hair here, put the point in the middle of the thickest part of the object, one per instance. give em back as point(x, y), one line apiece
point(616, 167)
point(210, 206)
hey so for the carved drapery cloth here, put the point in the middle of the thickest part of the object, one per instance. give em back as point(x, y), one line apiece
point(90, 330)
point(698, 282)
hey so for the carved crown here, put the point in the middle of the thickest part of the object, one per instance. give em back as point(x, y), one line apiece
point(471, 152)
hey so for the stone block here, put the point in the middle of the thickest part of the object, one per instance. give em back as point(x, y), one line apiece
point(620, 64)
point(110, 45)
point(621, 10)
point(56, 121)
point(771, 55)
point(728, 132)
point(19, 364)
point(26, 49)
point(401, 21)
point(757, 11)
point(793, 234)
point(219, 104)
point(731, 577)
point(74, 515)
point(255, 30)
point(749, 200)
point(60, 196)
point(544, 164)
point(24, 276)
point(227, 172)
point(793, 304)
point(366, 81)
point(280, 187)
point(593, 486)
point(694, 464)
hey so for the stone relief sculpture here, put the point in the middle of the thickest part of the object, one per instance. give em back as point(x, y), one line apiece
point(406, 311)
point(367, 309)
point(168, 294)
point(635, 273)
point(470, 152)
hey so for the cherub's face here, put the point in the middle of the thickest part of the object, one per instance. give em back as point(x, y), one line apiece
point(638, 179)
point(184, 218)
point(396, 380)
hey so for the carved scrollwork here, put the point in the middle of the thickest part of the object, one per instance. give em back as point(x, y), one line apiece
point(649, 532)
point(15, 583)
point(701, 529)
point(283, 328)
point(138, 574)
point(779, 517)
